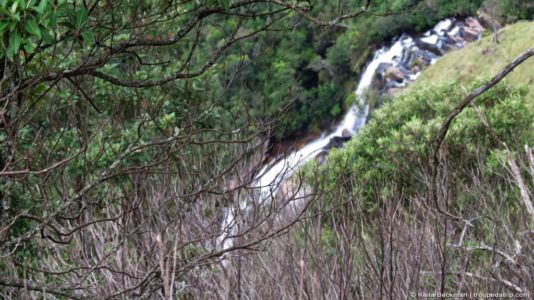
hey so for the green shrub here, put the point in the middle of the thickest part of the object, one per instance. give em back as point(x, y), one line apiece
point(395, 148)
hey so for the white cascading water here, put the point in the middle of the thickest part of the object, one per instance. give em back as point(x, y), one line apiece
point(272, 175)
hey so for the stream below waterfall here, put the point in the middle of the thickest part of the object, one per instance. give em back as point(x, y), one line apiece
point(392, 67)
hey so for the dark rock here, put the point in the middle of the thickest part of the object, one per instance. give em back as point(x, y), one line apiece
point(395, 74)
point(378, 82)
point(418, 59)
point(382, 67)
point(469, 34)
point(434, 48)
point(390, 84)
point(405, 71)
point(336, 142)
point(406, 54)
point(453, 44)
point(445, 29)
point(452, 39)
point(427, 55)
point(346, 133)
point(404, 36)
point(379, 78)
point(474, 24)
point(321, 157)
point(450, 47)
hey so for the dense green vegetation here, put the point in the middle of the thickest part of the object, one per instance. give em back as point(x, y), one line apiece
point(395, 149)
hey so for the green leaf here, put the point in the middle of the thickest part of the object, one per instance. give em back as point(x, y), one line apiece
point(81, 18)
point(3, 26)
point(29, 4)
point(42, 5)
point(14, 6)
point(225, 4)
point(41, 8)
point(47, 36)
point(29, 46)
point(50, 21)
point(88, 37)
point(32, 28)
point(14, 44)
point(4, 11)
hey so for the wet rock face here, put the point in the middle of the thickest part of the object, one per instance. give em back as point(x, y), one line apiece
point(448, 35)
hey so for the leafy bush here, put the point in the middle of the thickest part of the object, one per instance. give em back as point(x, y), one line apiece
point(395, 148)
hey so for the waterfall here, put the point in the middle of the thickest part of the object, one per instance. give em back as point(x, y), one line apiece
point(270, 177)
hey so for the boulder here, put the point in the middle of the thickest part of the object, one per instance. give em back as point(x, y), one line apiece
point(396, 74)
point(431, 47)
point(469, 34)
point(406, 52)
point(321, 157)
point(378, 82)
point(407, 73)
point(474, 24)
point(455, 32)
point(336, 142)
point(378, 79)
point(418, 59)
point(417, 63)
point(455, 40)
point(427, 55)
point(451, 43)
point(450, 47)
point(346, 133)
point(382, 67)
point(443, 26)
point(390, 84)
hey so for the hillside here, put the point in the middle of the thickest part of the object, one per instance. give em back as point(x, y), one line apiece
point(413, 225)
point(485, 58)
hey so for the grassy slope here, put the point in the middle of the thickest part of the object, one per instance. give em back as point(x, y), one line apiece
point(485, 58)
